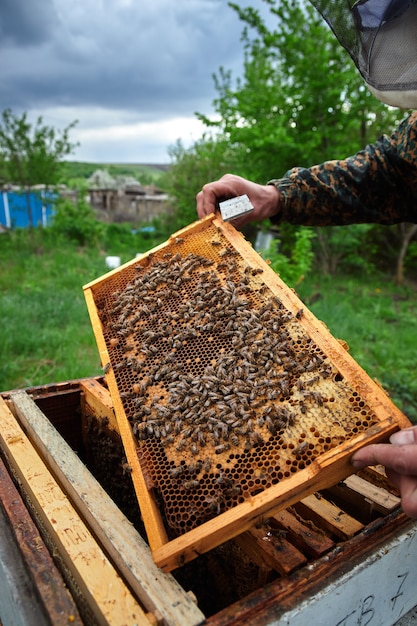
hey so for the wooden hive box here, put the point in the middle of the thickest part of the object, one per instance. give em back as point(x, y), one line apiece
point(232, 400)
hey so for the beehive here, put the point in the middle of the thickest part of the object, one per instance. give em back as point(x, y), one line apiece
point(232, 400)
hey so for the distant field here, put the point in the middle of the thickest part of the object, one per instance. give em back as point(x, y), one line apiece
point(145, 173)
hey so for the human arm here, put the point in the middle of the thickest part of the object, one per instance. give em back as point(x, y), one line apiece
point(400, 460)
point(265, 198)
point(377, 185)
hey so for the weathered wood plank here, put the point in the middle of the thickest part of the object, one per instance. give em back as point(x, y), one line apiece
point(99, 402)
point(105, 593)
point(328, 516)
point(32, 590)
point(303, 535)
point(159, 592)
point(274, 552)
point(355, 489)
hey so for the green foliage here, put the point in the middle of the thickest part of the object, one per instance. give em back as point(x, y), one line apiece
point(76, 222)
point(294, 267)
point(120, 239)
point(206, 160)
point(46, 331)
point(412, 258)
point(32, 154)
point(299, 101)
point(348, 247)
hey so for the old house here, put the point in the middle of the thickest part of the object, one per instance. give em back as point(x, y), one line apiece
point(124, 199)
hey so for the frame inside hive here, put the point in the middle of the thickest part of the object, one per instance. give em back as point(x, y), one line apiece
point(233, 401)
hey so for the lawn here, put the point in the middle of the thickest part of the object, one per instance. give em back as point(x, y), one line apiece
point(47, 336)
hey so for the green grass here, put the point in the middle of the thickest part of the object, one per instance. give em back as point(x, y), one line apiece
point(378, 321)
point(47, 336)
point(46, 333)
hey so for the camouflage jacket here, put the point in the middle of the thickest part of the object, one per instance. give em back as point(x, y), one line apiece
point(376, 185)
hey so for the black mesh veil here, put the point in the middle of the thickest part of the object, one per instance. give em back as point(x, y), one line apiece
point(381, 38)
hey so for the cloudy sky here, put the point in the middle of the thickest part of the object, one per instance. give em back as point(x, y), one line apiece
point(132, 72)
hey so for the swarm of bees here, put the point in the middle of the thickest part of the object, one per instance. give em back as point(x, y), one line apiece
point(209, 366)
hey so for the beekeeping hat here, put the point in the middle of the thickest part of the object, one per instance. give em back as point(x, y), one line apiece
point(381, 38)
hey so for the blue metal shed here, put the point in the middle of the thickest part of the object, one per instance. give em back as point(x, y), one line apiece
point(14, 209)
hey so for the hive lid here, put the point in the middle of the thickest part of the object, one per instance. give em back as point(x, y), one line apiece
point(233, 401)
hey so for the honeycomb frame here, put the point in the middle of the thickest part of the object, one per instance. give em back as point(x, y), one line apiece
point(232, 400)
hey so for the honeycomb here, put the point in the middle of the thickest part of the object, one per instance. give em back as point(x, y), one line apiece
point(225, 391)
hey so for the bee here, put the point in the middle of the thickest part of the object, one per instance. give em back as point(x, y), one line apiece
point(121, 365)
point(201, 439)
point(291, 419)
point(214, 504)
point(175, 472)
point(222, 447)
point(300, 384)
point(206, 465)
point(256, 438)
point(301, 448)
point(181, 445)
point(314, 395)
point(271, 426)
point(190, 485)
point(234, 490)
point(234, 440)
point(106, 368)
point(194, 468)
point(126, 468)
point(299, 314)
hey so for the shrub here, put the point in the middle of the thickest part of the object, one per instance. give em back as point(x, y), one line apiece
point(76, 222)
point(294, 267)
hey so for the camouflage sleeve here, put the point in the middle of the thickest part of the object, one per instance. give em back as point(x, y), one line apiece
point(377, 185)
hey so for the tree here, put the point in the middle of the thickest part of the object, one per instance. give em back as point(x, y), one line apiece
point(205, 160)
point(32, 154)
point(300, 101)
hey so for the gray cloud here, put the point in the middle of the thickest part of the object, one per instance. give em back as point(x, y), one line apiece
point(24, 26)
point(153, 58)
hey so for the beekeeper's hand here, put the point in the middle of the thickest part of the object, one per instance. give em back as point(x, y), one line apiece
point(400, 460)
point(264, 198)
